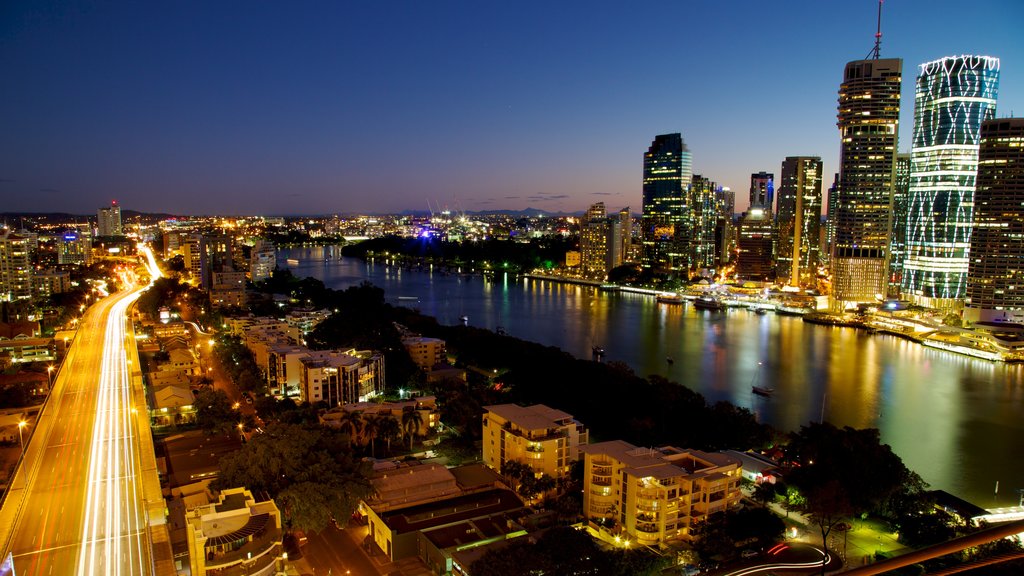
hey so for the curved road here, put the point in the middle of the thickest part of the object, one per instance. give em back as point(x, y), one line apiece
point(75, 504)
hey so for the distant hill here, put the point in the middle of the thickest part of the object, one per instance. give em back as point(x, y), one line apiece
point(528, 212)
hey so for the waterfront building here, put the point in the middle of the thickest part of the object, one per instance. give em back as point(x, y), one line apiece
point(655, 495)
point(954, 96)
point(754, 239)
point(341, 376)
point(594, 231)
point(262, 261)
point(898, 238)
point(109, 221)
point(545, 439)
point(704, 203)
point(762, 191)
point(725, 236)
point(830, 219)
point(15, 266)
point(868, 120)
point(626, 236)
point(666, 225)
point(425, 352)
point(236, 535)
point(995, 275)
point(798, 221)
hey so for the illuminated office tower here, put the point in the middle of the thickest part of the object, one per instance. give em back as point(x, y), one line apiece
point(868, 120)
point(594, 243)
point(762, 190)
point(703, 202)
point(830, 220)
point(725, 237)
point(954, 96)
point(898, 238)
point(666, 214)
point(626, 232)
point(109, 220)
point(754, 238)
point(995, 275)
point(798, 221)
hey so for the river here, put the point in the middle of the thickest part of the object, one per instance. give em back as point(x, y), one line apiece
point(956, 421)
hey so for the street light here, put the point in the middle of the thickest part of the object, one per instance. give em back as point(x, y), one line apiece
point(49, 371)
point(241, 434)
point(21, 439)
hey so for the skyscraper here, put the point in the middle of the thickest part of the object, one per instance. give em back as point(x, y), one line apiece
point(754, 240)
point(868, 120)
point(15, 266)
point(109, 220)
point(594, 242)
point(898, 238)
point(830, 222)
point(954, 96)
point(666, 214)
point(798, 221)
point(762, 191)
point(705, 217)
point(995, 275)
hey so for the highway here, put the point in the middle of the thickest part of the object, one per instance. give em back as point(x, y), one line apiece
point(75, 505)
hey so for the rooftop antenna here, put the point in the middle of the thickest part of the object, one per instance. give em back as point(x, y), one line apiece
point(876, 52)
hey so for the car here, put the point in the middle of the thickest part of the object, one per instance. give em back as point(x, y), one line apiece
point(748, 553)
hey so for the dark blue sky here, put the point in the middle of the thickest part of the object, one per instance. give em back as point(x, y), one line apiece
point(342, 107)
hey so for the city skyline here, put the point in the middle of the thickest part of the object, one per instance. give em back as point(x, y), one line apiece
point(344, 109)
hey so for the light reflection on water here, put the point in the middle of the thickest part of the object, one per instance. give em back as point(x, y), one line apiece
point(955, 420)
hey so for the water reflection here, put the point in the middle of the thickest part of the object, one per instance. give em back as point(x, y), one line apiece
point(955, 420)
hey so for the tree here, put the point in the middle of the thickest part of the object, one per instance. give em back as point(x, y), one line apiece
point(412, 419)
point(214, 412)
point(351, 422)
point(388, 428)
point(371, 428)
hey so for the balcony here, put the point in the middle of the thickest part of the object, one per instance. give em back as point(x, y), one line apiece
point(601, 481)
point(647, 527)
point(601, 469)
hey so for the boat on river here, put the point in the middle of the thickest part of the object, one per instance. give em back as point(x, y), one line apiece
point(708, 303)
point(762, 391)
point(670, 298)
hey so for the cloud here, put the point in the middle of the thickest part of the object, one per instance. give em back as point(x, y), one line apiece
point(511, 197)
point(559, 196)
point(605, 194)
point(537, 198)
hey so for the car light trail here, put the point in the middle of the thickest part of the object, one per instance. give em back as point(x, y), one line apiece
point(825, 557)
point(113, 537)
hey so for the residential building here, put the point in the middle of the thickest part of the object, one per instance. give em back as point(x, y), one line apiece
point(425, 352)
point(237, 535)
point(426, 423)
point(995, 276)
point(262, 261)
point(546, 439)
point(15, 266)
point(798, 221)
point(193, 250)
point(108, 221)
point(656, 494)
point(75, 247)
point(666, 214)
point(898, 238)
point(594, 233)
point(227, 289)
point(341, 377)
point(954, 96)
point(868, 120)
point(49, 282)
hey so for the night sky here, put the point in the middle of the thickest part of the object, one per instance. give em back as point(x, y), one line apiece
point(219, 107)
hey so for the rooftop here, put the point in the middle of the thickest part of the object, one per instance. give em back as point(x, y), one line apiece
point(534, 417)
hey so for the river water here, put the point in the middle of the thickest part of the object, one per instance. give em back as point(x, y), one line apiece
point(956, 421)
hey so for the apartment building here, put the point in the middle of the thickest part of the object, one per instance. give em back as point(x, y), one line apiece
point(546, 439)
point(236, 535)
point(425, 352)
point(341, 376)
point(651, 495)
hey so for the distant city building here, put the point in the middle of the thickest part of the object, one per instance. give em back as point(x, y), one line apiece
point(725, 236)
point(954, 96)
point(654, 495)
point(830, 222)
point(755, 233)
point(75, 247)
point(704, 207)
point(545, 439)
point(898, 238)
point(15, 266)
point(594, 232)
point(995, 277)
point(798, 221)
point(626, 233)
point(762, 191)
point(263, 260)
point(227, 290)
point(193, 250)
point(109, 221)
point(49, 282)
point(868, 120)
point(666, 215)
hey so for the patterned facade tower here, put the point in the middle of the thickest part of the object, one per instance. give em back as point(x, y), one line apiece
point(667, 218)
point(868, 120)
point(954, 96)
point(995, 276)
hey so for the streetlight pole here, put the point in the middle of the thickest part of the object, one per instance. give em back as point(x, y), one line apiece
point(21, 438)
point(49, 371)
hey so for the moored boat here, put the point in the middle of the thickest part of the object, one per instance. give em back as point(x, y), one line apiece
point(670, 298)
point(762, 391)
point(708, 303)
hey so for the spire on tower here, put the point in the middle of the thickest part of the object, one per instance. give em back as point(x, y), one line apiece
point(876, 52)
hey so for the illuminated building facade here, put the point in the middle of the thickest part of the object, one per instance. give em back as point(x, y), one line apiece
point(762, 190)
point(755, 238)
point(262, 260)
point(995, 276)
point(898, 238)
point(655, 495)
point(954, 96)
point(868, 120)
point(830, 221)
point(75, 247)
point(594, 231)
point(15, 266)
point(666, 218)
point(798, 221)
point(703, 201)
point(545, 439)
point(109, 221)
point(725, 237)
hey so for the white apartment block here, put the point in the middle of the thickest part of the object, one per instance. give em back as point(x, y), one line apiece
point(341, 377)
point(546, 439)
point(425, 352)
point(656, 494)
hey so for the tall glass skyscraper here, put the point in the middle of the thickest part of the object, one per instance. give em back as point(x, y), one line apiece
point(798, 221)
point(705, 218)
point(666, 219)
point(954, 96)
point(898, 238)
point(995, 276)
point(868, 120)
